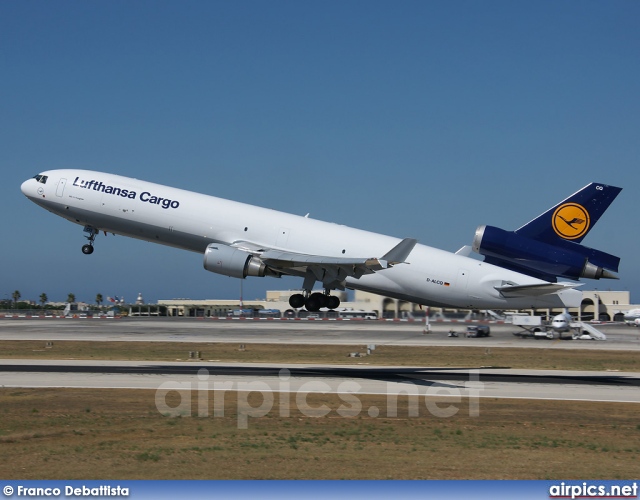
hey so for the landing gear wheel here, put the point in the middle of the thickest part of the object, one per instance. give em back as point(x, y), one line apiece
point(296, 300)
point(332, 301)
point(92, 232)
point(315, 302)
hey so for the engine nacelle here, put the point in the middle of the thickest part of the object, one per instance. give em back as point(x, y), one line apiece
point(545, 260)
point(223, 259)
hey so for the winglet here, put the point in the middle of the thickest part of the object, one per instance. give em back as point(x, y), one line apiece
point(400, 252)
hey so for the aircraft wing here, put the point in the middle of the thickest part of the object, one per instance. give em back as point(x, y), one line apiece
point(331, 271)
point(360, 266)
point(534, 290)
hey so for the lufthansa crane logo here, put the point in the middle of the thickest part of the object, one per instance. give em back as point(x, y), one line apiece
point(571, 221)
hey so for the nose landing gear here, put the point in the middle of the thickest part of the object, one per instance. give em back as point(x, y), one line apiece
point(87, 249)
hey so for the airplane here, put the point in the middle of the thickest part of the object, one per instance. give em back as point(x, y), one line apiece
point(520, 268)
point(534, 326)
point(562, 322)
point(632, 317)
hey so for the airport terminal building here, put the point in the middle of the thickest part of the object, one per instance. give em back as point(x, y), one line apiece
point(596, 304)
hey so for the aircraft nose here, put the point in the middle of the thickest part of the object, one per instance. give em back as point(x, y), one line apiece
point(32, 189)
point(26, 187)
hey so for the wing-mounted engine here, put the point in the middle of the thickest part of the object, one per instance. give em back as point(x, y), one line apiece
point(223, 259)
point(541, 259)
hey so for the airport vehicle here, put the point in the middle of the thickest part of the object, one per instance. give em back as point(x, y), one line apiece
point(478, 331)
point(356, 314)
point(531, 326)
point(249, 313)
point(520, 270)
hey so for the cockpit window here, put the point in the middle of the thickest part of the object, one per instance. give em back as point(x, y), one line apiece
point(41, 178)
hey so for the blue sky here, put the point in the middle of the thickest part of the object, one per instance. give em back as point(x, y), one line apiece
point(417, 119)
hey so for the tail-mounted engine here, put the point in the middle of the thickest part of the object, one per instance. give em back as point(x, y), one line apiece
point(223, 259)
point(543, 260)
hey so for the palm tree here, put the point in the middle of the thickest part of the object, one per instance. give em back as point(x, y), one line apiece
point(43, 299)
point(71, 298)
point(16, 297)
point(99, 299)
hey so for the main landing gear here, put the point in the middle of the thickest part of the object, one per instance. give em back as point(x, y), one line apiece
point(87, 249)
point(313, 302)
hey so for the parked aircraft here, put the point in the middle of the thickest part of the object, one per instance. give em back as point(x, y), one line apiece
point(520, 270)
point(562, 322)
point(632, 317)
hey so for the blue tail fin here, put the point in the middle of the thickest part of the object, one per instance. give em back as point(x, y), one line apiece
point(549, 246)
point(573, 218)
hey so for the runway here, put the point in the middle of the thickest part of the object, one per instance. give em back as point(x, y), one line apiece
point(255, 377)
point(208, 376)
point(619, 337)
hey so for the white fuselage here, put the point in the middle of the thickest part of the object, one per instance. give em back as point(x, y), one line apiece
point(191, 221)
point(632, 315)
point(561, 322)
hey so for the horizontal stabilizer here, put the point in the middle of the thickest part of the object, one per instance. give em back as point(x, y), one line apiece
point(534, 290)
